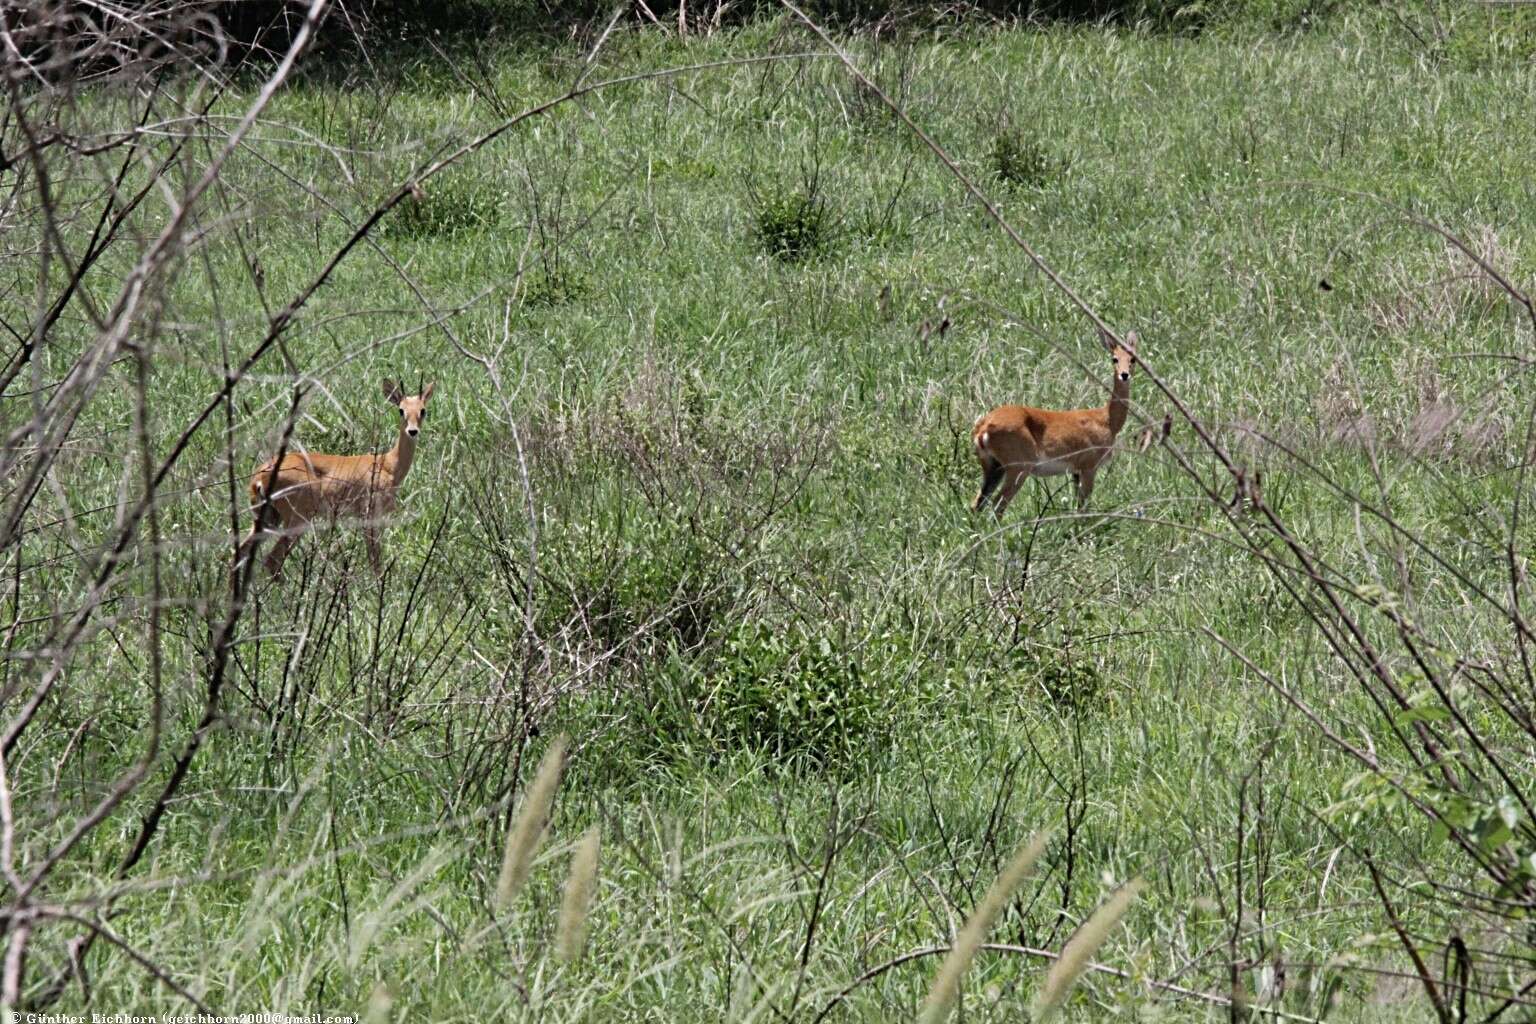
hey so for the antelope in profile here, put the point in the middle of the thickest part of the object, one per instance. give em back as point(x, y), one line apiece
point(289, 494)
point(1017, 441)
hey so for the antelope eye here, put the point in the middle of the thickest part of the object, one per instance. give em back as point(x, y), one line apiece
point(423, 415)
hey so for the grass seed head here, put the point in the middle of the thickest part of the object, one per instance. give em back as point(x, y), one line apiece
point(528, 828)
point(947, 984)
point(1079, 950)
point(580, 884)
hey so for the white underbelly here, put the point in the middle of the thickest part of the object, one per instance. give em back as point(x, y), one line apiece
point(1051, 468)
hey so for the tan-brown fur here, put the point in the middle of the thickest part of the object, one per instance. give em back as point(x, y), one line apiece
point(308, 486)
point(1014, 442)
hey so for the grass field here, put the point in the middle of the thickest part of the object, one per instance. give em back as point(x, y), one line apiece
point(694, 491)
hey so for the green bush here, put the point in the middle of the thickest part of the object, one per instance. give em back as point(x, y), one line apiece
point(1070, 682)
point(555, 285)
point(1021, 160)
point(640, 585)
point(796, 695)
point(1061, 668)
point(793, 224)
point(448, 207)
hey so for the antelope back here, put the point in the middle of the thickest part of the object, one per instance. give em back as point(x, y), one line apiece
point(313, 486)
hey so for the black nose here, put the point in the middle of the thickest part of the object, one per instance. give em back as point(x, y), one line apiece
point(412, 431)
point(1125, 376)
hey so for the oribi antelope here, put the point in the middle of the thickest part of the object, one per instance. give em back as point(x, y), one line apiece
point(1018, 441)
point(289, 495)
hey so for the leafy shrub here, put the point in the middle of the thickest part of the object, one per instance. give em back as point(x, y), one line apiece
point(554, 285)
point(796, 695)
point(1019, 159)
point(638, 586)
point(793, 224)
point(1068, 678)
point(1062, 670)
point(448, 208)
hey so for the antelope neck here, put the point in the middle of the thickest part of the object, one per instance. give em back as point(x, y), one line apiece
point(399, 458)
point(1119, 404)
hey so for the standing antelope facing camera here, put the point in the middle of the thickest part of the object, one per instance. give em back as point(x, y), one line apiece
point(288, 495)
point(1018, 441)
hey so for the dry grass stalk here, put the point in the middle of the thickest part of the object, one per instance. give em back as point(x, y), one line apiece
point(941, 998)
point(381, 1005)
point(528, 829)
point(580, 884)
point(1079, 950)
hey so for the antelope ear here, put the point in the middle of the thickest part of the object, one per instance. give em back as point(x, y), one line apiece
point(427, 392)
point(392, 392)
point(1131, 338)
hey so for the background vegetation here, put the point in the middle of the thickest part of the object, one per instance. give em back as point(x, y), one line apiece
point(707, 344)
